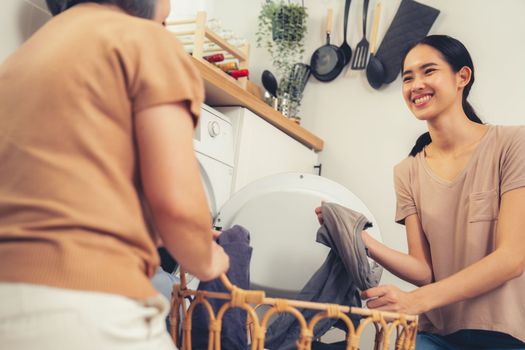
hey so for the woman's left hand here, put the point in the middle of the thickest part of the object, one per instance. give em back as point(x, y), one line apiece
point(391, 298)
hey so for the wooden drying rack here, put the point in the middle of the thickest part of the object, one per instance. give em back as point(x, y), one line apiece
point(201, 35)
point(385, 323)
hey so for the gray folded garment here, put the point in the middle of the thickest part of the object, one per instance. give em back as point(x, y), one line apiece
point(341, 231)
point(344, 273)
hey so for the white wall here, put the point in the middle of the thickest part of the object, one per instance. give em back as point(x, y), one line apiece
point(367, 132)
point(18, 20)
point(188, 8)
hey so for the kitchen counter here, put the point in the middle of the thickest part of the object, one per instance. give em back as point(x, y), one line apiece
point(222, 90)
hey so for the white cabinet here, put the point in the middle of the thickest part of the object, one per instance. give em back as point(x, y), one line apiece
point(262, 150)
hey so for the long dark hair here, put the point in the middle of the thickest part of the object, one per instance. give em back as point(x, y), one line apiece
point(138, 8)
point(457, 56)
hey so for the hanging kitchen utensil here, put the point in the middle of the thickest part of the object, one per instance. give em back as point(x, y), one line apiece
point(361, 50)
point(411, 23)
point(375, 73)
point(291, 94)
point(269, 82)
point(345, 48)
point(327, 62)
point(298, 78)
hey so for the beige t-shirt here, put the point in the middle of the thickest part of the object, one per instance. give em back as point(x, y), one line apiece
point(459, 220)
point(70, 214)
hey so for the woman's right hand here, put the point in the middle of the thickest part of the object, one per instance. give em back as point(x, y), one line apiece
point(220, 262)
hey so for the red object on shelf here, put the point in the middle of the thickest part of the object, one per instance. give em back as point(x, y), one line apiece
point(239, 73)
point(219, 57)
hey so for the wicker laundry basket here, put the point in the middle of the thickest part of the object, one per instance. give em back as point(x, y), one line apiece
point(386, 324)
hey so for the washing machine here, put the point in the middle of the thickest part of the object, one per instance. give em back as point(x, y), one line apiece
point(277, 210)
point(214, 148)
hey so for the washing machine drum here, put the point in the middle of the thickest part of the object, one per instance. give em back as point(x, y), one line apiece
point(278, 211)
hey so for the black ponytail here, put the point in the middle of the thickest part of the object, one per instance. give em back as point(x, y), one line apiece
point(469, 111)
point(421, 142)
point(457, 56)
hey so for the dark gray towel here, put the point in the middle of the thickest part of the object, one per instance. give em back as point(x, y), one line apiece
point(236, 243)
point(345, 271)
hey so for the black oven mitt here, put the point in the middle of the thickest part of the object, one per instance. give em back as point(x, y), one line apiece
point(411, 23)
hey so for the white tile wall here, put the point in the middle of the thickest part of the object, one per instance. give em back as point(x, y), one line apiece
point(18, 21)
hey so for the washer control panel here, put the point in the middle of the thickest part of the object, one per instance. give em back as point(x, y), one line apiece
point(214, 136)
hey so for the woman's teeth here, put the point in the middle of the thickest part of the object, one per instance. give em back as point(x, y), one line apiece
point(422, 99)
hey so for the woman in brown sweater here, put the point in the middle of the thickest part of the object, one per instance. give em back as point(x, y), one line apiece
point(97, 108)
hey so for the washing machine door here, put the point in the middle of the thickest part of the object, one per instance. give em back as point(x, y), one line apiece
point(279, 213)
point(216, 178)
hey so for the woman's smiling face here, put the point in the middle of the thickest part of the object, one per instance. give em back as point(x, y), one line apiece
point(430, 86)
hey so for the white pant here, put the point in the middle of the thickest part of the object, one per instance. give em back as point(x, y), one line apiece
point(34, 317)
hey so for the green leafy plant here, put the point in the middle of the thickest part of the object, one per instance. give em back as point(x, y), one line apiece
point(282, 30)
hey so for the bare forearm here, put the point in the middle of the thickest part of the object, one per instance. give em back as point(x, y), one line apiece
point(402, 265)
point(485, 275)
point(481, 277)
point(173, 190)
point(188, 240)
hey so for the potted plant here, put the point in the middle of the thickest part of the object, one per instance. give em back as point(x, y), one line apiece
point(282, 30)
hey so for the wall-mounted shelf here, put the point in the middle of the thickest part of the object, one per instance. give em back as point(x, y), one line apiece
point(221, 91)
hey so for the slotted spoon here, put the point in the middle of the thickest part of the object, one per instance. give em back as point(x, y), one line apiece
point(361, 51)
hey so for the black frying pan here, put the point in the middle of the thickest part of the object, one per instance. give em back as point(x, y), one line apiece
point(327, 61)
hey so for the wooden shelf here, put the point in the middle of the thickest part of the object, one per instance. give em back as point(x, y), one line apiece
point(223, 90)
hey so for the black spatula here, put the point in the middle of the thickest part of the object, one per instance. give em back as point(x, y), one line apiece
point(361, 51)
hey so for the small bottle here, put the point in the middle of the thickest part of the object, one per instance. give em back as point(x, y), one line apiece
point(239, 73)
point(218, 57)
point(228, 66)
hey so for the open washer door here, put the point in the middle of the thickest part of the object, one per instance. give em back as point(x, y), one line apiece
point(279, 213)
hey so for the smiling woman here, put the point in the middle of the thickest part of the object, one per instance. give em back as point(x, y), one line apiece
point(450, 56)
point(461, 196)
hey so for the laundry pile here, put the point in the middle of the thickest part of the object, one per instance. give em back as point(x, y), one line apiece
point(345, 272)
point(236, 243)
